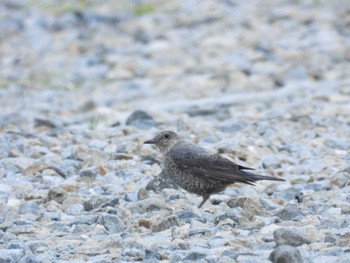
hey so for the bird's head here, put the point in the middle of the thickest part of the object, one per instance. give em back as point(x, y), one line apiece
point(165, 140)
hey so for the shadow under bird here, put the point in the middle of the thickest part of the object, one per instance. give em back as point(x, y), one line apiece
point(199, 171)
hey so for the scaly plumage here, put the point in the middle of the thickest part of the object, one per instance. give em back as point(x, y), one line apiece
point(199, 171)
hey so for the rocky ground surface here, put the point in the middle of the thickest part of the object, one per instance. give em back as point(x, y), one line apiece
point(84, 83)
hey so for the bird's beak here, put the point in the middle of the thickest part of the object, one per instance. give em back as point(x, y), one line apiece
point(152, 141)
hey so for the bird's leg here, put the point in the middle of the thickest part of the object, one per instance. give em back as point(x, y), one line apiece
point(205, 198)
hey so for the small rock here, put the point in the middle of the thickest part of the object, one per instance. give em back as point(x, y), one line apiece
point(37, 246)
point(268, 204)
point(11, 255)
point(229, 253)
point(200, 230)
point(271, 161)
point(147, 205)
point(3, 210)
point(161, 182)
point(16, 244)
point(80, 153)
point(152, 256)
point(344, 240)
point(131, 197)
point(135, 253)
point(141, 120)
point(88, 174)
point(297, 73)
point(230, 216)
point(145, 223)
point(180, 232)
point(142, 194)
point(338, 143)
point(330, 238)
point(74, 209)
point(291, 237)
point(46, 122)
point(167, 223)
point(195, 256)
point(341, 179)
point(98, 201)
point(286, 254)
point(57, 194)
point(99, 230)
point(187, 215)
point(29, 207)
point(98, 144)
point(112, 223)
point(251, 206)
point(73, 204)
point(288, 194)
point(290, 212)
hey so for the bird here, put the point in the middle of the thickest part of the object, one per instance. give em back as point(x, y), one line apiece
point(199, 171)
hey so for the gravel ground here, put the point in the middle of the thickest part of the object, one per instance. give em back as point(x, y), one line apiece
point(266, 83)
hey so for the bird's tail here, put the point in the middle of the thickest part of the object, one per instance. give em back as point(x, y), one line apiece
point(257, 177)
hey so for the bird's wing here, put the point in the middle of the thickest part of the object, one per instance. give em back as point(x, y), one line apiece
point(211, 166)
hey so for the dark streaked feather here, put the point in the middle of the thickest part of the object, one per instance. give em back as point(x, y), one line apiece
point(215, 167)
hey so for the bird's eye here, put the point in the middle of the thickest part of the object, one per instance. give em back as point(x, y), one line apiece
point(167, 136)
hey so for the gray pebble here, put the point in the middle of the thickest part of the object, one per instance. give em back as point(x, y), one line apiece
point(231, 216)
point(112, 223)
point(250, 206)
point(195, 256)
point(135, 253)
point(290, 212)
point(11, 255)
point(291, 237)
point(286, 254)
point(100, 201)
point(166, 223)
point(29, 207)
point(152, 255)
point(37, 247)
point(271, 161)
point(88, 174)
point(141, 120)
point(16, 244)
point(200, 230)
point(57, 194)
point(160, 182)
point(74, 209)
point(98, 144)
point(3, 210)
point(187, 215)
point(338, 143)
point(231, 254)
point(142, 194)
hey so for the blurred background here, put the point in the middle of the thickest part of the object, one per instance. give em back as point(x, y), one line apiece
point(83, 83)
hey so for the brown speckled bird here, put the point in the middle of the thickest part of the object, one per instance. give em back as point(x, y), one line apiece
point(197, 170)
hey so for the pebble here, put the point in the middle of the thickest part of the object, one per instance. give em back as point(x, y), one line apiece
point(271, 161)
point(141, 120)
point(88, 174)
point(290, 212)
point(11, 255)
point(112, 223)
point(166, 223)
point(286, 254)
point(250, 206)
point(57, 194)
point(290, 237)
point(195, 256)
point(160, 182)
